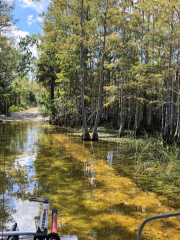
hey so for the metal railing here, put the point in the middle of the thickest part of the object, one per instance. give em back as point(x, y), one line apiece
point(42, 231)
point(154, 218)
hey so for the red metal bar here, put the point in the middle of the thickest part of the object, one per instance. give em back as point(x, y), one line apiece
point(54, 222)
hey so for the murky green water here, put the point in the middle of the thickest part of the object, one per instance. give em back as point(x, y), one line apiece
point(90, 183)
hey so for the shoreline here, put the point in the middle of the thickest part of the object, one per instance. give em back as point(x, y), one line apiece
point(30, 114)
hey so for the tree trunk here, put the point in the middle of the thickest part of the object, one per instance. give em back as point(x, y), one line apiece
point(167, 128)
point(177, 131)
point(85, 135)
point(121, 129)
point(172, 110)
point(162, 116)
point(136, 121)
point(115, 113)
point(145, 113)
point(95, 133)
point(52, 90)
point(129, 117)
point(53, 109)
point(149, 113)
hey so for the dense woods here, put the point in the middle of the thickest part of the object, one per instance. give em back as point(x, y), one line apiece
point(16, 59)
point(114, 61)
point(108, 63)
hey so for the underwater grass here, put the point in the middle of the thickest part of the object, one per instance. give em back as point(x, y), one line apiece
point(155, 163)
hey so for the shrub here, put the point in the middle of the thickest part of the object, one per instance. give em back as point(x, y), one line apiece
point(14, 108)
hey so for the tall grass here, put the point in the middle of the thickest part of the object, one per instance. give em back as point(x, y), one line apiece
point(155, 163)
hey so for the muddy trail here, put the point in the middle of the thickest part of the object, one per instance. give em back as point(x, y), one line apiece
point(31, 114)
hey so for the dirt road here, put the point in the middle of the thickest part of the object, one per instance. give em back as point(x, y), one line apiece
point(31, 114)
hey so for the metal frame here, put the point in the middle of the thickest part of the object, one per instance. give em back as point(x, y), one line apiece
point(17, 233)
point(42, 231)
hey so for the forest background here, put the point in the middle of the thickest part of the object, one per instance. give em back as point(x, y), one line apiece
point(99, 61)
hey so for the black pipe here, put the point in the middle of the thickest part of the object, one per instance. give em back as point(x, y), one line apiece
point(153, 218)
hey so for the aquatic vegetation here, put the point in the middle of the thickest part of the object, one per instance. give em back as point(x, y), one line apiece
point(103, 190)
point(153, 160)
point(155, 163)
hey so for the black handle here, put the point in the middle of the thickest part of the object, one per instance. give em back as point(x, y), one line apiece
point(44, 200)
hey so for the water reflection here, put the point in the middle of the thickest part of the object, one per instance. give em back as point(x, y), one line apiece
point(25, 165)
point(89, 172)
point(90, 183)
point(110, 157)
point(18, 142)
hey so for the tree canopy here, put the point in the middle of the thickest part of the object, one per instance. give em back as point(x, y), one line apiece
point(130, 63)
point(16, 62)
point(106, 60)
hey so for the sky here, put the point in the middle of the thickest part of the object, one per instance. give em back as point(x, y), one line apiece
point(27, 12)
point(29, 22)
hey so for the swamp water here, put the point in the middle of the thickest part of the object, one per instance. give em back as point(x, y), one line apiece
point(92, 185)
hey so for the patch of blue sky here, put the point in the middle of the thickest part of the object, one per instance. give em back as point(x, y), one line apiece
point(27, 13)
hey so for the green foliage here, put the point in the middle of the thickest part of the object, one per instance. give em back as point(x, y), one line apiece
point(26, 58)
point(16, 64)
point(141, 61)
point(32, 97)
point(44, 110)
point(16, 108)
